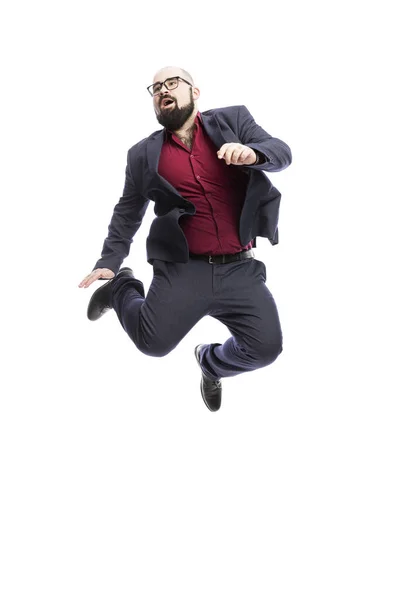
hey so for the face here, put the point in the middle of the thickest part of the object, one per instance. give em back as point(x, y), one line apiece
point(173, 117)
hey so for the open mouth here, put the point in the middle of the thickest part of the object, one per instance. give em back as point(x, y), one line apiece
point(166, 103)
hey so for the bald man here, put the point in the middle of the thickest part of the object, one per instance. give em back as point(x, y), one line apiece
point(205, 173)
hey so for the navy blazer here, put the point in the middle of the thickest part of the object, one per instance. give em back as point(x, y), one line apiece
point(166, 240)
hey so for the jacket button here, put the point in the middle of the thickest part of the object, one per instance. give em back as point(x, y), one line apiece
point(182, 210)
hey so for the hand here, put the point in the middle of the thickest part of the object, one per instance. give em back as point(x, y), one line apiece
point(95, 275)
point(237, 154)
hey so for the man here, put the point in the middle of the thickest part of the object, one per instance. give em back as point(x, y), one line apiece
point(203, 172)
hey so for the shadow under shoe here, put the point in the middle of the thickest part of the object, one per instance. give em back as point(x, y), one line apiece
point(211, 390)
point(100, 302)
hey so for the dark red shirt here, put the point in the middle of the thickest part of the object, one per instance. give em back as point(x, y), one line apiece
point(216, 189)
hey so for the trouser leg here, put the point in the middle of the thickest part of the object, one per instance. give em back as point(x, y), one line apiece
point(175, 302)
point(244, 304)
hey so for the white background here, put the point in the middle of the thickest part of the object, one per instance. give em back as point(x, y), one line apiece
point(116, 481)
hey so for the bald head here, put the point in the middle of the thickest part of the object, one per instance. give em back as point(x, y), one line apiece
point(171, 72)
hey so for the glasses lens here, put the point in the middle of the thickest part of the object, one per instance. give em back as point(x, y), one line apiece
point(155, 89)
point(170, 83)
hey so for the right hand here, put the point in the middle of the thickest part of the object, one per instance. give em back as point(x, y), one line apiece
point(95, 275)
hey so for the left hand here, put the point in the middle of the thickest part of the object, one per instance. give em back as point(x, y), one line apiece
point(237, 154)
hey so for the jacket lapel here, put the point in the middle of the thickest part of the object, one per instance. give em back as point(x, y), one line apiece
point(153, 149)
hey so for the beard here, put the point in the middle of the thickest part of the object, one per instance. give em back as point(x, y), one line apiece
point(174, 118)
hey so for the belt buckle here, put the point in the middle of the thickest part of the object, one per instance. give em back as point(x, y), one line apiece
point(210, 260)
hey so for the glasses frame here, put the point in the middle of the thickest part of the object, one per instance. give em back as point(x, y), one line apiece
point(163, 83)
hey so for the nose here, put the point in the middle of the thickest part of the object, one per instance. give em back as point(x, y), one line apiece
point(164, 95)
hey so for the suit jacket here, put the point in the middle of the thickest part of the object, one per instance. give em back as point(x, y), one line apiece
point(166, 240)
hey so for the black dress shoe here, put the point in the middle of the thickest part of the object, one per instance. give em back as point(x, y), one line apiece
point(100, 302)
point(211, 390)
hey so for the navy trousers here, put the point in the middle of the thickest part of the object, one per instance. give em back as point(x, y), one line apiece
point(183, 293)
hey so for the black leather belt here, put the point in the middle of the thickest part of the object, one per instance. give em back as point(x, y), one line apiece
point(221, 259)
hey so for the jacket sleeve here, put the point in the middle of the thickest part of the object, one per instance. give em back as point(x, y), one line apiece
point(126, 219)
point(276, 154)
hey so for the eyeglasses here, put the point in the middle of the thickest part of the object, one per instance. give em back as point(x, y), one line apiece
point(171, 83)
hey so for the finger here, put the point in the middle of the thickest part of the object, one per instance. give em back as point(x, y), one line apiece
point(222, 150)
point(235, 155)
point(244, 156)
point(240, 154)
point(84, 280)
point(95, 275)
point(103, 274)
point(235, 151)
point(91, 278)
point(228, 155)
